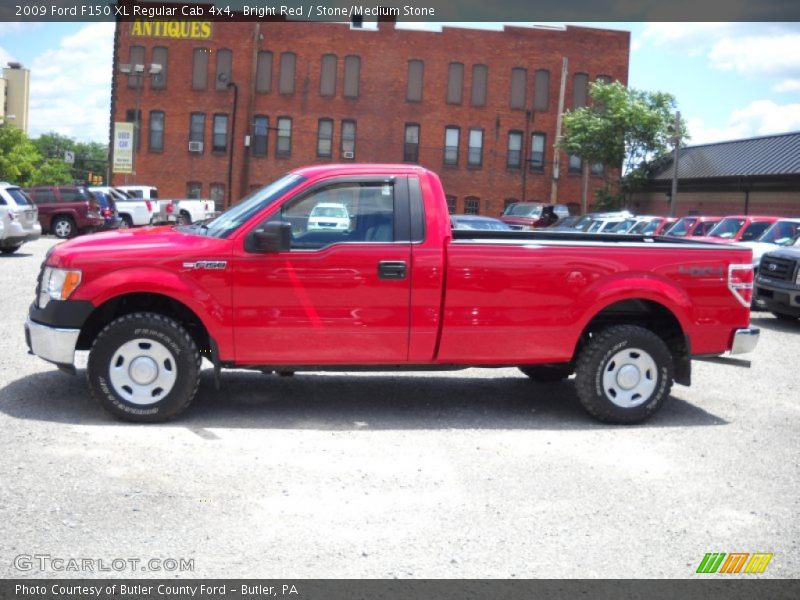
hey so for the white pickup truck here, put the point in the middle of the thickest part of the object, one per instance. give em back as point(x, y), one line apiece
point(183, 210)
point(135, 211)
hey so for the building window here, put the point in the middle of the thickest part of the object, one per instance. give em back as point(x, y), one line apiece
point(575, 164)
point(604, 79)
point(197, 127)
point(135, 117)
point(220, 141)
point(415, 73)
point(224, 61)
point(217, 193)
point(480, 75)
point(260, 135)
point(159, 80)
point(286, 77)
point(194, 189)
point(451, 135)
point(200, 68)
point(156, 129)
point(264, 72)
point(580, 83)
point(324, 138)
point(327, 78)
point(455, 83)
point(411, 145)
point(519, 84)
point(475, 148)
point(536, 161)
point(541, 90)
point(135, 57)
point(352, 75)
point(284, 144)
point(514, 156)
point(472, 205)
point(348, 139)
point(451, 204)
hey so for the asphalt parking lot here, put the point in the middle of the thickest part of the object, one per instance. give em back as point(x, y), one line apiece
point(480, 473)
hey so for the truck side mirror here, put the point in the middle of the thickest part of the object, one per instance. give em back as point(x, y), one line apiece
point(273, 236)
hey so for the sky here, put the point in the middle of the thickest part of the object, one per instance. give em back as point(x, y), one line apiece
point(731, 80)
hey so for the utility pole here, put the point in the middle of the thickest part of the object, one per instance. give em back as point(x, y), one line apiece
point(676, 139)
point(556, 149)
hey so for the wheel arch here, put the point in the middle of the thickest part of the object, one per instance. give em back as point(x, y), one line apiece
point(649, 314)
point(128, 303)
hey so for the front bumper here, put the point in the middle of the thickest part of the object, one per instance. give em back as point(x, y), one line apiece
point(782, 297)
point(53, 344)
point(745, 340)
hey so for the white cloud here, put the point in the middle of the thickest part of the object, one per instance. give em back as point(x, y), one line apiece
point(787, 85)
point(757, 55)
point(5, 57)
point(71, 85)
point(762, 117)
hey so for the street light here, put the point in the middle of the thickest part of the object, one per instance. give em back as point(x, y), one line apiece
point(675, 138)
point(138, 71)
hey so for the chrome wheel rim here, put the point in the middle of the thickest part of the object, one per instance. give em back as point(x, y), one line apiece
point(630, 378)
point(143, 371)
point(63, 228)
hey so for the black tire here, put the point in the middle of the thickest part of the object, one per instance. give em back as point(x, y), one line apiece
point(548, 373)
point(144, 333)
point(784, 316)
point(648, 360)
point(63, 227)
point(10, 249)
point(126, 222)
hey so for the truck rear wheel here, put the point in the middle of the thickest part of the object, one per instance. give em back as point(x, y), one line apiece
point(624, 374)
point(144, 367)
point(548, 373)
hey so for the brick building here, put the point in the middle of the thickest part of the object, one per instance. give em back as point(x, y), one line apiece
point(475, 106)
point(756, 176)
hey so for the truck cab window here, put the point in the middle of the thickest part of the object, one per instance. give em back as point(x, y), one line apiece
point(341, 213)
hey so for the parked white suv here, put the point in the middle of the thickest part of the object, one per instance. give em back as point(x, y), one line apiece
point(329, 216)
point(19, 219)
point(134, 211)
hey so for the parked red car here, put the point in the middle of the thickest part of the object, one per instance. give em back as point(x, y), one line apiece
point(739, 228)
point(694, 226)
point(532, 215)
point(66, 211)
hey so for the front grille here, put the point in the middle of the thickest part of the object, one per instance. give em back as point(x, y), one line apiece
point(39, 282)
point(776, 268)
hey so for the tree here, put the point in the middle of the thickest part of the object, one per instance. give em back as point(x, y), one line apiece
point(625, 129)
point(52, 171)
point(18, 156)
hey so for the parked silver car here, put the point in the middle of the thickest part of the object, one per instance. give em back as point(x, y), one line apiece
point(19, 217)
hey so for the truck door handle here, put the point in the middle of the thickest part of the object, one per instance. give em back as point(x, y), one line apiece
point(392, 269)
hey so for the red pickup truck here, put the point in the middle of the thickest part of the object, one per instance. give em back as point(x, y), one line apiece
point(396, 289)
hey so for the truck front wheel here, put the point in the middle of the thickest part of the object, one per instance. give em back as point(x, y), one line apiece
point(144, 367)
point(624, 374)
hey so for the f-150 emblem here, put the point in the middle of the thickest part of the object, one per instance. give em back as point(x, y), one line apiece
point(213, 265)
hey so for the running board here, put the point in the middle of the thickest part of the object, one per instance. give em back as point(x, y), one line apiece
point(725, 360)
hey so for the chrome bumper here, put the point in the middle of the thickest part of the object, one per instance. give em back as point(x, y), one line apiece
point(745, 340)
point(51, 344)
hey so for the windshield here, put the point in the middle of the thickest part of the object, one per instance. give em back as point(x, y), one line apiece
point(682, 227)
point(649, 228)
point(19, 196)
point(329, 211)
point(781, 233)
point(624, 226)
point(523, 210)
point(237, 215)
point(727, 228)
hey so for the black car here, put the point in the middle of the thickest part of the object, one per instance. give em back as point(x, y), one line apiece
point(108, 210)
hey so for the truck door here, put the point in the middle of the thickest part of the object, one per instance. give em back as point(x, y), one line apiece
point(341, 294)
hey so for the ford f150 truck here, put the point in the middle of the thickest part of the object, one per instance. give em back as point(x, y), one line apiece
point(397, 289)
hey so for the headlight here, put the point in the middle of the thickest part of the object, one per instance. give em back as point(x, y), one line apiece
point(58, 284)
